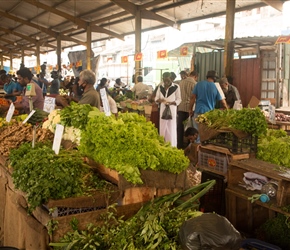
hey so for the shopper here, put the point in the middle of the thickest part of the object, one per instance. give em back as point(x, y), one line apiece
point(230, 91)
point(186, 86)
point(168, 94)
point(140, 89)
point(24, 77)
point(205, 95)
point(90, 95)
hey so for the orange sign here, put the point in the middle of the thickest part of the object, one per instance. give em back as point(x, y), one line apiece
point(161, 54)
point(124, 59)
point(211, 162)
point(184, 51)
point(283, 39)
point(138, 57)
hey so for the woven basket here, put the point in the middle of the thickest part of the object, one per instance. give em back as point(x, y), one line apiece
point(148, 109)
point(206, 133)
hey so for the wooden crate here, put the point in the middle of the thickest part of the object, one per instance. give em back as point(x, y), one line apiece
point(245, 216)
point(271, 171)
point(216, 159)
point(150, 178)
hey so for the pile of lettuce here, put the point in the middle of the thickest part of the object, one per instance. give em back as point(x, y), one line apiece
point(275, 148)
point(128, 144)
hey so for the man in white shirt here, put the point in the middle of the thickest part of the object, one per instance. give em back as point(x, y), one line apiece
point(140, 89)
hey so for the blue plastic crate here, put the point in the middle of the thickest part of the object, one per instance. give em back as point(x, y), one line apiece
point(258, 244)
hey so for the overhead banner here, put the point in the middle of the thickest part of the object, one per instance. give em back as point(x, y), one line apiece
point(138, 57)
point(184, 51)
point(161, 54)
point(283, 39)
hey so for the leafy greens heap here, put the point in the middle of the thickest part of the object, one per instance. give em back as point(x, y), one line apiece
point(128, 144)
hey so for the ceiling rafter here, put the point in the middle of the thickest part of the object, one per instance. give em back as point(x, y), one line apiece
point(31, 40)
point(78, 21)
point(146, 14)
point(41, 28)
point(20, 46)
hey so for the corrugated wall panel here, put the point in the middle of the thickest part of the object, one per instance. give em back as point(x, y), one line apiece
point(247, 78)
point(209, 61)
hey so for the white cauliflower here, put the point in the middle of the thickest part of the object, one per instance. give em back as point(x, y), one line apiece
point(72, 134)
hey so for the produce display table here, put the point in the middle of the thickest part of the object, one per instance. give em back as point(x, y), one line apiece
point(24, 231)
point(280, 125)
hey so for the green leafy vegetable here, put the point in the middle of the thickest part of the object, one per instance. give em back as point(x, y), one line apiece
point(76, 115)
point(43, 175)
point(275, 148)
point(251, 121)
point(129, 143)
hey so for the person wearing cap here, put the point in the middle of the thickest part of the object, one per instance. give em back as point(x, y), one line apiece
point(230, 91)
point(205, 95)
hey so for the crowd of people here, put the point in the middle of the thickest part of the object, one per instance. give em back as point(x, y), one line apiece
point(174, 102)
point(187, 99)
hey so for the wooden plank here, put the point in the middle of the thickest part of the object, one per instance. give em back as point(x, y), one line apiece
point(137, 195)
point(96, 199)
point(94, 217)
point(225, 151)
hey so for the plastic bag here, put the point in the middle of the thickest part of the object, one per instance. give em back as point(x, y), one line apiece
point(166, 115)
point(188, 123)
point(209, 232)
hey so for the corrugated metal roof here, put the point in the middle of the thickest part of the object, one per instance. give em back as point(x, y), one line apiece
point(24, 23)
point(240, 44)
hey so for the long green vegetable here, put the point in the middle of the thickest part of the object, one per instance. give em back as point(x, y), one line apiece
point(155, 226)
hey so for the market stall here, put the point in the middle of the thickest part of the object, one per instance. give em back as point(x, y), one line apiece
point(245, 154)
point(37, 213)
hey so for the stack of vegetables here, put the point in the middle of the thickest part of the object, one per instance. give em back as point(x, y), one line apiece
point(248, 120)
point(126, 144)
point(275, 148)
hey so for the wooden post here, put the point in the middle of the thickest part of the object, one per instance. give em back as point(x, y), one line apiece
point(138, 23)
point(89, 46)
point(2, 62)
point(11, 60)
point(37, 57)
point(22, 55)
point(192, 62)
point(229, 36)
point(58, 53)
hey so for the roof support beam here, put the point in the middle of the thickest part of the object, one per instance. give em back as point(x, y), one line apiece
point(229, 38)
point(31, 40)
point(42, 29)
point(146, 14)
point(138, 30)
point(78, 21)
point(89, 47)
point(276, 4)
point(17, 46)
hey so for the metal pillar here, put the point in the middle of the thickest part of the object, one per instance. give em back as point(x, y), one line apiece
point(138, 23)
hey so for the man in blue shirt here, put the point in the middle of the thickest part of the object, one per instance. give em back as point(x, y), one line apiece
point(205, 95)
point(9, 87)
